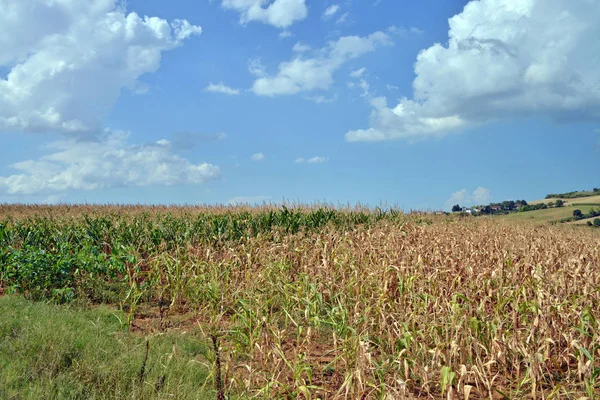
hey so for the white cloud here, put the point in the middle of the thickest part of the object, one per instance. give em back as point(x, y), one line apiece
point(307, 74)
point(69, 60)
point(312, 160)
point(358, 73)
point(300, 47)
point(480, 196)
point(285, 34)
point(258, 156)
point(221, 88)
point(279, 13)
point(460, 197)
point(182, 29)
point(343, 18)
point(416, 30)
point(504, 59)
point(330, 11)
point(104, 163)
point(256, 67)
point(362, 83)
point(404, 31)
point(53, 199)
point(249, 200)
point(322, 99)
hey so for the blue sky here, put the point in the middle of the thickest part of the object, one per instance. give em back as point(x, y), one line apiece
point(409, 103)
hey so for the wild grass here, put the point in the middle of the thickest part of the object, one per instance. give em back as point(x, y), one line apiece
point(59, 352)
point(326, 303)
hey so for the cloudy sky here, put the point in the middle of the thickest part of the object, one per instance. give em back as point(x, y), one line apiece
point(413, 103)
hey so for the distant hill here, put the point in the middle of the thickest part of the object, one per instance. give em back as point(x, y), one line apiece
point(574, 195)
point(586, 203)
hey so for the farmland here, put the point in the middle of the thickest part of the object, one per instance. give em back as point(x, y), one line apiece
point(557, 214)
point(547, 215)
point(298, 302)
point(573, 201)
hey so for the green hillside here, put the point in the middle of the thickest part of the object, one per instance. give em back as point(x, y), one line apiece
point(550, 215)
point(574, 201)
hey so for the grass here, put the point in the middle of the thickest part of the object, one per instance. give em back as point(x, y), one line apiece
point(61, 352)
point(312, 302)
point(583, 221)
point(547, 215)
point(585, 200)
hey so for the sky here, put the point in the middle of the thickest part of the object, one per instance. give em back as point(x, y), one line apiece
point(407, 103)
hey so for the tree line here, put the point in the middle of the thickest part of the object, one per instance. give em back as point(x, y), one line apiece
point(575, 194)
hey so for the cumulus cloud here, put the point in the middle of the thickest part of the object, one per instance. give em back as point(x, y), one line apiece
point(316, 72)
point(460, 197)
point(258, 157)
point(330, 11)
point(504, 59)
point(221, 88)
point(278, 13)
point(312, 160)
point(68, 60)
point(480, 196)
point(107, 162)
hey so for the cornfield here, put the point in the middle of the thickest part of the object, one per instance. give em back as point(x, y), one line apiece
point(319, 302)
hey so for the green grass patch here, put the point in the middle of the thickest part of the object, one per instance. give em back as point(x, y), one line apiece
point(63, 352)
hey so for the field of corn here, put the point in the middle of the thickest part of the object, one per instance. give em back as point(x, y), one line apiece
point(316, 302)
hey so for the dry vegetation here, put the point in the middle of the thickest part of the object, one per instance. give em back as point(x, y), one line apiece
point(322, 303)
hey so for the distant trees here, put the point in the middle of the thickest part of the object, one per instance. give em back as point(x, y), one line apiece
point(577, 215)
point(573, 195)
point(508, 205)
point(559, 203)
point(533, 207)
point(456, 208)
